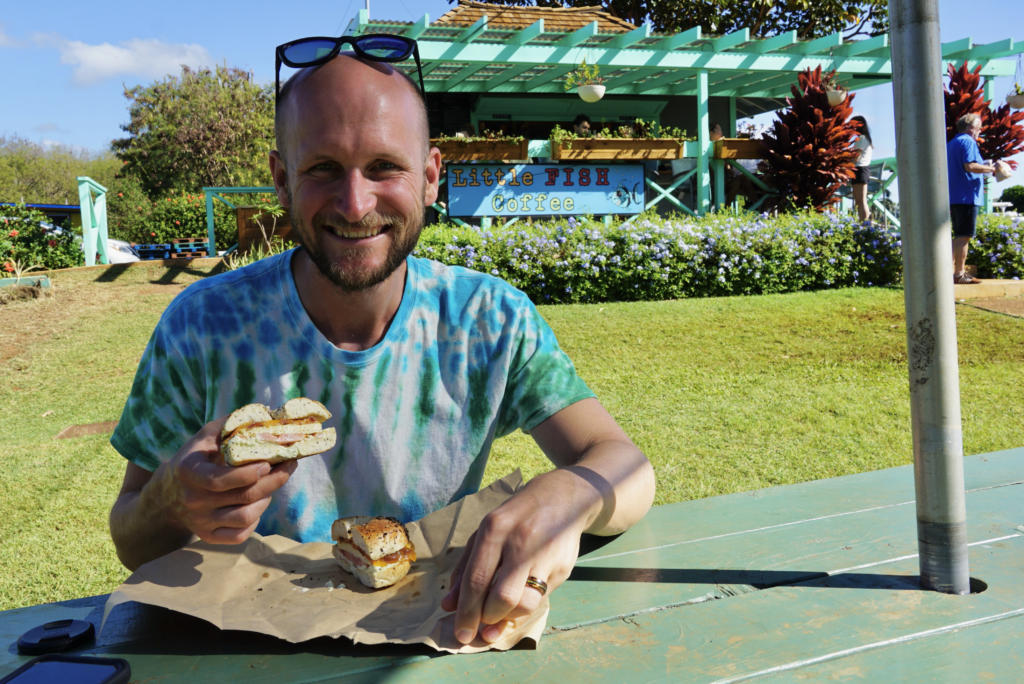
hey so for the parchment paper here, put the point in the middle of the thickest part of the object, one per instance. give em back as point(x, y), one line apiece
point(296, 592)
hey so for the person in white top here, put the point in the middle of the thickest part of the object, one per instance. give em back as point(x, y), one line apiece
point(860, 174)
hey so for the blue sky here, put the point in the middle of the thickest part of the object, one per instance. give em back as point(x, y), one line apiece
point(66, 64)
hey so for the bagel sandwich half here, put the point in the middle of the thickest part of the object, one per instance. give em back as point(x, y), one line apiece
point(255, 433)
point(376, 550)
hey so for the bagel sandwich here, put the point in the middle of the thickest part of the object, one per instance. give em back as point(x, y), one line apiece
point(376, 550)
point(255, 433)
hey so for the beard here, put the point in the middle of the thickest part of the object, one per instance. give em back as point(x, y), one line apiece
point(343, 270)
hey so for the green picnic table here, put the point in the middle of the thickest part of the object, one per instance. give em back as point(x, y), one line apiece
point(801, 582)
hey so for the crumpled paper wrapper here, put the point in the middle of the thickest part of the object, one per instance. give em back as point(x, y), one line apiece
point(277, 586)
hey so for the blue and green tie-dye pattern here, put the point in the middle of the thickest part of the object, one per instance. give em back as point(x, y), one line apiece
point(467, 358)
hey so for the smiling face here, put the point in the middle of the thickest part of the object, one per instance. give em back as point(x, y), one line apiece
point(355, 169)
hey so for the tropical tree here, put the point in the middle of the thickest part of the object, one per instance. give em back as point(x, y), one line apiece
point(962, 95)
point(204, 128)
point(763, 17)
point(808, 150)
point(36, 174)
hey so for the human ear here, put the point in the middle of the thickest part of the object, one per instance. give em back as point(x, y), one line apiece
point(279, 172)
point(432, 175)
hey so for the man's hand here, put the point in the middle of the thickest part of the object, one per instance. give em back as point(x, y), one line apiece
point(192, 494)
point(603, 484)
point(535, 534)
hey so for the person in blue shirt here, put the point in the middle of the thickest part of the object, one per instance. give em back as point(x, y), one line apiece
point(966, 171)
point(423, 366)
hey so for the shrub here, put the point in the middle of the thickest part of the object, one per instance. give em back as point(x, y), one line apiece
point(139, 220)
point(27, 240)
point(572, 260)
point(998, 249)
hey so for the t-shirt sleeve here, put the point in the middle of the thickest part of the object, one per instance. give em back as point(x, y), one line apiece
point(161, 411)
point(542, 379)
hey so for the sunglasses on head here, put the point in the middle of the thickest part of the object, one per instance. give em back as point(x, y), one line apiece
point(378, 47)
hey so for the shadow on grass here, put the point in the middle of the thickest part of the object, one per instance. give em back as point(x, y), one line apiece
point(171, 271)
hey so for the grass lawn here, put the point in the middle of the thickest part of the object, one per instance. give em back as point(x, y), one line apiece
point(723, 394)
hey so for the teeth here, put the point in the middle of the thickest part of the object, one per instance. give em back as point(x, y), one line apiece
point(356, 232)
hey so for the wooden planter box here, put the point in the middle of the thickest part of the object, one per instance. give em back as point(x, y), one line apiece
point(249, 233)
point(482, 150)
point(738, 148)
point(623, 149)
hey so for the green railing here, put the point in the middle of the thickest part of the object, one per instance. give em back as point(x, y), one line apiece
point(216, 192)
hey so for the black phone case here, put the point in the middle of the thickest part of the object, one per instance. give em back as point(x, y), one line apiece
point(121, 674)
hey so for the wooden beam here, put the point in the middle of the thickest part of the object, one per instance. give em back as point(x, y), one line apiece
point(730, 40)
point(818, 45)
point(956, 47)
point(1000, 48)
point(630, 38)
point(525, 35)
point(624, 76)
point(555, 73)
point(774, 43)
point(356, 24)
point(859, 47)
point(416, 30)
point(506, 75)
point(473, 32)
point(580, 35)
point(670, 76)
point(669, 43)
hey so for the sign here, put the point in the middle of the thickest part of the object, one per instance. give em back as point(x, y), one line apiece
point(544, 189)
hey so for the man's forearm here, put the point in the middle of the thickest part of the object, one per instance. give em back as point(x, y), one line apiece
point(142, 529)
point(975, 167)
point(624, 480)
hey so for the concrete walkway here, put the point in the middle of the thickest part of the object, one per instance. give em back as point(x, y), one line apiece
point(989, 288)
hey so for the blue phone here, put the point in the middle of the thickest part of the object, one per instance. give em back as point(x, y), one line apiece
point(62, 669)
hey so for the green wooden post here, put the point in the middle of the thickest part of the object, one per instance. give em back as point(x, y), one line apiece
point(718, 166)
point(731, 129)
point(703, 145)
point(211, 243)
point(94, 220)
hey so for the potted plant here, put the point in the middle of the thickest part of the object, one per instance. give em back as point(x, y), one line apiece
point(586, 79)
point(639, 140)
point(1016, 98)
point(490, 146)
point(834, 91)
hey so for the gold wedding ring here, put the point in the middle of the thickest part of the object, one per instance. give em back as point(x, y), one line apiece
point(537, 584)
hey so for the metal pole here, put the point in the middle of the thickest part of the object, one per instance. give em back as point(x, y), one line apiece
point(928, 295)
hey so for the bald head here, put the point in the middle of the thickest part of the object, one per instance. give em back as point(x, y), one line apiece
point(351, 81)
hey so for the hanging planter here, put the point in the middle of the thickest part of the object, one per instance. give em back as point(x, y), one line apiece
point(586, 79)
point(835, 96)
point(1016, 96)
point(591, 92)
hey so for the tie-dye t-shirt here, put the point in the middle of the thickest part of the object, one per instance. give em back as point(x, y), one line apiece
point(466, 359)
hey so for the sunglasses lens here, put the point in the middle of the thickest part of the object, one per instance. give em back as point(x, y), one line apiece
point(307, 51)
point(385, 48)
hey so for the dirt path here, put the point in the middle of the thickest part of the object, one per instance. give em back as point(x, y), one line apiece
point(80, 292)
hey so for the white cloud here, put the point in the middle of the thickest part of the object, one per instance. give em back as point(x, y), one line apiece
point(139, 57)
point(5, 40)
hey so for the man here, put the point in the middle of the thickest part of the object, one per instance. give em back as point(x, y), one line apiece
point(965, 170)
point(422, 366)
point(581, 125)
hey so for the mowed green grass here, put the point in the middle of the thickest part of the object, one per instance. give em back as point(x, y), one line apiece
point(723, 394)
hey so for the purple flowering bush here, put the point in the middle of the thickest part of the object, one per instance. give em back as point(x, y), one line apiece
point(652, 258)
point(998, 249)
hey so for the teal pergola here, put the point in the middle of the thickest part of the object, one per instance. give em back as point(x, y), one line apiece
point(497, 52)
